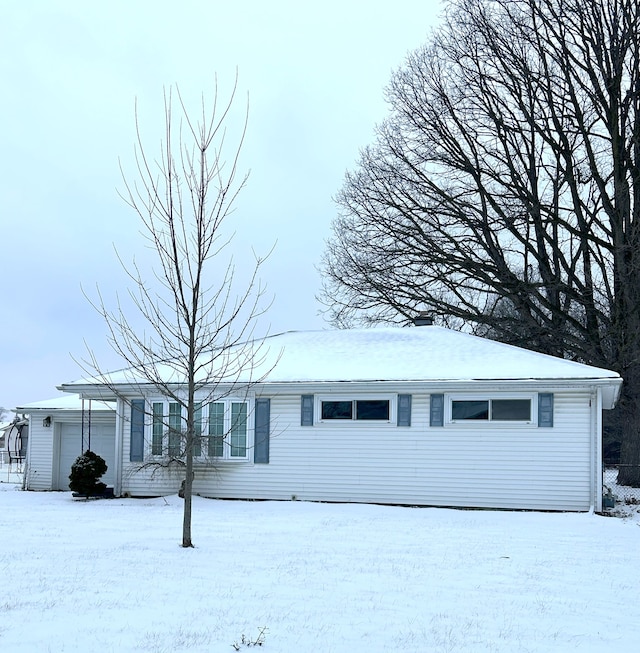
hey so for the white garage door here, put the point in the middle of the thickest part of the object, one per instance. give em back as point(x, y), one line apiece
point(103, 441)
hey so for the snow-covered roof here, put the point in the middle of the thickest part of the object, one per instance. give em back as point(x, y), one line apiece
point(411, 353)
point(64, 402)
point(428, 353)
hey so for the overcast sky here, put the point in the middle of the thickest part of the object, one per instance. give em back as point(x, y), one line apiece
point(71, 72)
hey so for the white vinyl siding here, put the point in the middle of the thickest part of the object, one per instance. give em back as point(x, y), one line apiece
point(40, 454)
point(511, 466)
point(519, 467)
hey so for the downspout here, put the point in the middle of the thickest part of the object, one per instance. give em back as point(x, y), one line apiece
point(117, 472)
point(599, 471)
point(25, 464)
point(595, 402)
point(25, 475)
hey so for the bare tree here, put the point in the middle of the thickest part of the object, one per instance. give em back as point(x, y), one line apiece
point(198, 332)
point(502, 194)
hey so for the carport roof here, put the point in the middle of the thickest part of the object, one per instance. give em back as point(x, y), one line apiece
point(64, 402)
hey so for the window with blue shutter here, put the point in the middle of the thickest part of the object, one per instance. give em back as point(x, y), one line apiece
point(306, 410)
point(136, 443)
point(545, 409)
point(490, 409)
point(404, 410)
point(476, 408)
point(436, 410)
point(261, 440)
point(221, 426)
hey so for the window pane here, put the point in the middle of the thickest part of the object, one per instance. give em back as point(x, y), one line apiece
point(157, 429)
point(337, 410)
point(175, 428)
point(238, 431)
point(511, 409)
point(469, 410)
point(197, 428)
point(372, 409)
point(216, 430)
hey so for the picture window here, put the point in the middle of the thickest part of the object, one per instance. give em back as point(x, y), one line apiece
point(517, 409)
point(221, 429)
point(356, 409)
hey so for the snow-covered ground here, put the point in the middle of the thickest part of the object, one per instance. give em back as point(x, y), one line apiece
point(109, 576)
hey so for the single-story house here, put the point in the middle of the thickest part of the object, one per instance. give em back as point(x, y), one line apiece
point(412, 416)
point(60, 430)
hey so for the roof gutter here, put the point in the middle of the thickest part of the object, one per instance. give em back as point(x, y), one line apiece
point(609, 387)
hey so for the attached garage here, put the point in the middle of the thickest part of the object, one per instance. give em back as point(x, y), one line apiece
point(56, 427)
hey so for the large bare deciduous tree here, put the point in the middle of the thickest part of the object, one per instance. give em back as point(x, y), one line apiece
point(197, 332)
point(502, 194)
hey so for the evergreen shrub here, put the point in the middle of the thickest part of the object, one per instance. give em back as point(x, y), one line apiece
point(85, 474)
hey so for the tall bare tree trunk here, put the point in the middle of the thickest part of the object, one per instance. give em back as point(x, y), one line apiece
point(195, 316)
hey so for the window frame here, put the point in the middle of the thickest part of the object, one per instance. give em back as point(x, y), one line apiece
point(201, 453)
point(392, 399)
point(489, 397)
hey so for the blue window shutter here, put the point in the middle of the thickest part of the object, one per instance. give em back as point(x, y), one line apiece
point(545, 409)
point(404, 410)
point(306, 409)
point(261, 440)
point(136, 444)
point(436, 410)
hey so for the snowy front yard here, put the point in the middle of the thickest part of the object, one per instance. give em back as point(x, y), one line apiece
point(109, 576)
